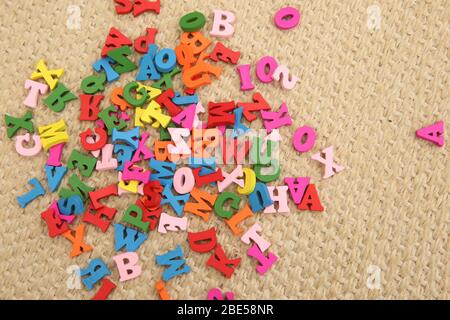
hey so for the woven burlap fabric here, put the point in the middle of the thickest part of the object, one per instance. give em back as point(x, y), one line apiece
point(364, 91)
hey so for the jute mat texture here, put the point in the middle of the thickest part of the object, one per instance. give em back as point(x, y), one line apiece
point(364, 90)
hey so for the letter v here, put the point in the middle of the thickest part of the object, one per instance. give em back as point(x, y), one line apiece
point(54, 176)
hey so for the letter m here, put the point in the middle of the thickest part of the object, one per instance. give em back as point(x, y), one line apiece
point(205, 202)
point(164, 171)
point(53, 134)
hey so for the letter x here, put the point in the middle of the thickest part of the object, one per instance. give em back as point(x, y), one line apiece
point(50, 76)
point(331, 168)
point(76, 237)
point(229, 178)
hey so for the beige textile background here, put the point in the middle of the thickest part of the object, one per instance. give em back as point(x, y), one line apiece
point(365, 92)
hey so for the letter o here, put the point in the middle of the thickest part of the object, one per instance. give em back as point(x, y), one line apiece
point(287, 18)
point(301, 132)
point(262, 65)
point(193, 21)
point(183, 180)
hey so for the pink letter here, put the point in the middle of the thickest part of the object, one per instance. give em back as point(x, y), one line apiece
point(28, 152)
point(265, 263)
point(142, 149)
point(281, 199)
point(135, 173)
point(244, 74)
point(186, 117)
point(287, 18)
point(275, 120)
point(433, 133)
point(297, 187)
point(229, 178)
point(127, 264)
point(288, 81)
point(169, 223)
point(222, 26)
point(216, 294)
point(262, 65)
point(252, 234)
point(55, 153)
point(107, 162)
point(183, 180)
point(35, 88)
point(330, 166)
point(310, 139)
